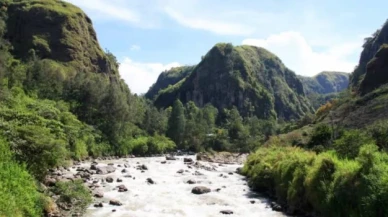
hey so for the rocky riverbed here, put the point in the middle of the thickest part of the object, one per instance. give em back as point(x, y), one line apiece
point(155, 186)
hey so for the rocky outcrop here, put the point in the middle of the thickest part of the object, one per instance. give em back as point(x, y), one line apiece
point(56, 30)
point(371, 47)
point(376, 71)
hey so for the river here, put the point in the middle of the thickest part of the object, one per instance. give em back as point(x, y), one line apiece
point(171, 196)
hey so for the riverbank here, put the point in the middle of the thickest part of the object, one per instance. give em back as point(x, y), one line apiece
point(159, 187)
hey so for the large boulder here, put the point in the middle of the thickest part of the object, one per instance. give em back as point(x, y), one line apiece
point(98, 194)
point(200, 190)
point(188, 160)
point(150, 181)
point(109, 179)
point(226, 212)
point(105, 170)
point(122, 188)
point(170, 158)
point(115, 203)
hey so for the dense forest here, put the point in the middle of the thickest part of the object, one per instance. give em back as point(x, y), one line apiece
point(61, 102)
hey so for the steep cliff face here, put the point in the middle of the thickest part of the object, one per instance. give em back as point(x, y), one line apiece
point(371, 47)
point(168, 77)
point(55, 30)
point(250, 78)
point(325, 82)
point(376, 71)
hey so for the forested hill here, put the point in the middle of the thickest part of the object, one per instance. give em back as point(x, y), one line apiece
point(325, 82)
point(324, 86)
point(250, 78)
point(167, 78)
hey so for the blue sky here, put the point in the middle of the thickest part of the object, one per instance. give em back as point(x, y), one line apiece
point(149, 36)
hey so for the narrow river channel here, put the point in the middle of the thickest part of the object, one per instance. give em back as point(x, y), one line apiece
point(171, 195)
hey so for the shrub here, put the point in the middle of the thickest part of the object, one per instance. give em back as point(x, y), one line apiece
point(379, 132)
point(18, 192)
point(348, 145)
point(321, 136)
point(74, 193)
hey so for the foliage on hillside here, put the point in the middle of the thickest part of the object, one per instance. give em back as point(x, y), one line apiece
point(340, 175)
point(167, 78)
point(325, 82)
point(252, 79)
point(55, 30)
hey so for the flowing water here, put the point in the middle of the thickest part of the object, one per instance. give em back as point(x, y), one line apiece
point(171, 196)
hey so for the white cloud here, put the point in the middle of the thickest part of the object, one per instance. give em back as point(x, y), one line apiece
point(113, 9)
point(298, 55)
point(135, 47)
point(140, 76)
point(210, 24)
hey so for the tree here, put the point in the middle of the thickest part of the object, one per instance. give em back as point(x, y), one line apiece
point(177, 123)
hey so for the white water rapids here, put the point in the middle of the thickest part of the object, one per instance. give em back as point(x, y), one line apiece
point(171, 196)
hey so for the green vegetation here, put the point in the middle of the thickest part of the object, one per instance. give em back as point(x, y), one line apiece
point(167, 78)
point(18, 192)
point(324, 87)
point(325, 82)
point(332, 175)
point(74, 193)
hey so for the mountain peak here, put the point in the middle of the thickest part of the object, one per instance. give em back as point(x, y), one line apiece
point(250, 78)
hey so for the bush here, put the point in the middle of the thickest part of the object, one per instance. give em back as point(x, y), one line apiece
point(74, 193)
point(348, 145)
point(320, 136)
point(323, 183)
point(379, 132)
point(18, 192)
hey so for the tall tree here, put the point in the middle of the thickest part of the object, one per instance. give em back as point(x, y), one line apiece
point(177, 123)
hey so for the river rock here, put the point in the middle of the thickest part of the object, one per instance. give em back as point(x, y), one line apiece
point(150, 181)
point(190, 182)
point(188, 160)
point(200, 190)
point(226, 212)
point(127, 176)
point(230, 173)
point(99, 194)
point(163, 162)
point(93, 167)
point(98, 205)
point(109, 179)
point(105, 170)
point(122, 188)
point(170, 158)
point(115, 203)
point(143, 167)
point(123, 170)
point(180, 171)
point(126, 165)
point(276, 207)
point(111, 164)
point(119, 180)
point(196, 173)
point(50, 181)
point(253, 202)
